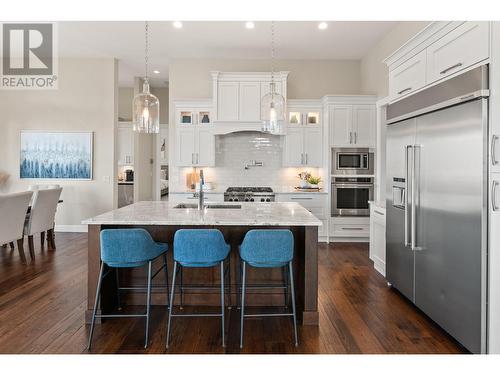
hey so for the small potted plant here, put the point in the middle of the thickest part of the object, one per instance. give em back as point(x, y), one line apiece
point(314, 182)
point(304, 176)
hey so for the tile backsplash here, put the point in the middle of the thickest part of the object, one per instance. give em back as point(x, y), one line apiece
point(234, 152)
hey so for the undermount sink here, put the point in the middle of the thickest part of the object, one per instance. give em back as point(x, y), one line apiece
point(209, 206)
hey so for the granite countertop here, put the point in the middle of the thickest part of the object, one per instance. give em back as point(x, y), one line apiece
point(278, 190)
point(164, 213)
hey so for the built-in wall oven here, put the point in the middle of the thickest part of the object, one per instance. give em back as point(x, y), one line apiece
point(350, 196)
point(352, 161)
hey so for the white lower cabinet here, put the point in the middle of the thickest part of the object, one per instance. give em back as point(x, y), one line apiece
point(377, 237)
point(316, 203)
point(349, 228)
point(494, 265)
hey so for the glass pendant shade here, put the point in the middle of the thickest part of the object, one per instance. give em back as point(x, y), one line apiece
point(273, 111)
point(146, 109)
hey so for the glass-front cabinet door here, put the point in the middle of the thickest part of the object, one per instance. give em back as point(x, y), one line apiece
point(185, 117)
point(300, 118)
point(194, 117)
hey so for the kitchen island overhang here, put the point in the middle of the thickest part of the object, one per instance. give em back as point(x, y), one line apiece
point(162, 219)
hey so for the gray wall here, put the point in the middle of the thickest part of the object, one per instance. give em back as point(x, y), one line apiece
point(374, 73)
point(85, 101)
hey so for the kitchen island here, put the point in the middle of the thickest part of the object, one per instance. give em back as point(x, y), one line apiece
point(162, 219)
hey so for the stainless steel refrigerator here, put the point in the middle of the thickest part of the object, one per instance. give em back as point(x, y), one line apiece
point(436, 196)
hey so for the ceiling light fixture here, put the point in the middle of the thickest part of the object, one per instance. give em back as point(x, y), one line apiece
point(145, 105)
point(322, 26)
point(250, 25)
point(156, 71)
point(177, 24)
point(273, 103)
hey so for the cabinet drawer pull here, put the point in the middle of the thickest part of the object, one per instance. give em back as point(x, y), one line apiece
point(378, 212)
point(494, 160)
point(352, 228)
point(300, 198)
point(457, 65)
point(494, 186)
point(350, 137)
point(404, 90)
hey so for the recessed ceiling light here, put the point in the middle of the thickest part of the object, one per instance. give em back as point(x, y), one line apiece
point(322, 25)
point(156, 71)
point(177, 24)
point(249, 25)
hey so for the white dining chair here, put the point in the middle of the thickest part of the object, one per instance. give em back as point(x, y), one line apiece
point(43, 187)
point(42, 216)
point(13, 208)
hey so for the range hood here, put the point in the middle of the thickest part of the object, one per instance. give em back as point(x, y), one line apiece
point(227, 127)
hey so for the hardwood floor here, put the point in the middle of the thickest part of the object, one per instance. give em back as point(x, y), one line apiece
point(42, 311)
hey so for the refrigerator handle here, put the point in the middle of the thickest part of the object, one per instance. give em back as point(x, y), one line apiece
point(407, 194)
point(413, 200)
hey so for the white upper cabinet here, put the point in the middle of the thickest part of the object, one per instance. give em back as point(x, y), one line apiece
point(352, 125)
point(249, 101)
point(195, 141)
point(440, 50)
point(228, 101)
point(293, 151)
point(237, 95)
point(408, 76)
point(364, 125)
point(462, 47)
point(341, 125)
point(304, 135)
point(205, 147)
point(125, 144)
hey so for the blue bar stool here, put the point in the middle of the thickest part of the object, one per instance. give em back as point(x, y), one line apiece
point(269, 248)
point(198, 248)
point(128, 248)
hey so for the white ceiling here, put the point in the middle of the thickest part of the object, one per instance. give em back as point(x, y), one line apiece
point(214, 39)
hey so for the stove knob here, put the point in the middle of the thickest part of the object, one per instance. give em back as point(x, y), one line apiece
point(262, 200)
point(251, 199)
point(236, 199)
point(246, 199)
point(268, 199)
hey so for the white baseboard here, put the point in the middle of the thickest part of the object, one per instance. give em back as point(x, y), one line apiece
point(79, 228)
point(379, 265)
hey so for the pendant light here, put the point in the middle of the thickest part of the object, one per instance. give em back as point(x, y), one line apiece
point(273, 103)
point(146, 106)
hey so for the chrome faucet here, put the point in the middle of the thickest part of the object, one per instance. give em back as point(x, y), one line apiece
point(201, 197)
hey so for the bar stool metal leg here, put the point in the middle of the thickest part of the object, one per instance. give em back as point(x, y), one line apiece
point(170, 305)
point(242, 302)
point(97, 297)
point(148, 305)
point(165, 265)
point(230, 292)
point(293, 303)
point(222, 299)
point(181, 271)
point(118, 299)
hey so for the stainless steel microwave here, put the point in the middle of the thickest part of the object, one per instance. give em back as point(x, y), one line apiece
point(352, 161)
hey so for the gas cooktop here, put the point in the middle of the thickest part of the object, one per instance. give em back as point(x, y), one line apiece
point(249, 194)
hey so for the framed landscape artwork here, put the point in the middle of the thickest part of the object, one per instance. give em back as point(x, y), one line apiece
point(61, 155)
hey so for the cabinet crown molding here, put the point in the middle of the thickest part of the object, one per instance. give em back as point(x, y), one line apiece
point(428, 35)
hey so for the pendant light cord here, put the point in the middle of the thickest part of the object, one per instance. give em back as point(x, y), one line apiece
point(272, 52)
point(146, 52)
